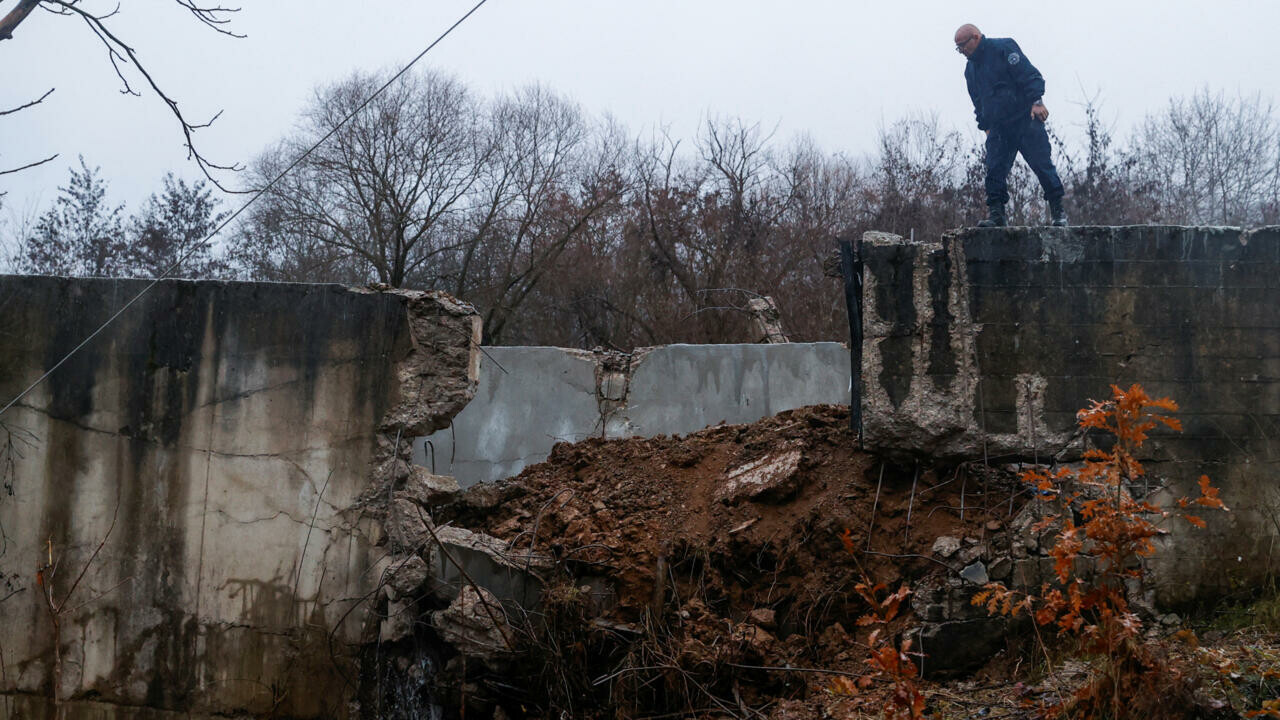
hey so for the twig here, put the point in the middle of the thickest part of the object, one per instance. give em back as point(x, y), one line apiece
point(875, 505)
point(37, 101)
point(119, 52)
point(911, 503)
point(28, 166)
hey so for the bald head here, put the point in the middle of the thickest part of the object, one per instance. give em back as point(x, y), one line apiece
point(967, 38)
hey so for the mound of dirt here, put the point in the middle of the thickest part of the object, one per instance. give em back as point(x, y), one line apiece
point(717, 570)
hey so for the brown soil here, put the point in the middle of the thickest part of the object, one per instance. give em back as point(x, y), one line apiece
point(670, 596)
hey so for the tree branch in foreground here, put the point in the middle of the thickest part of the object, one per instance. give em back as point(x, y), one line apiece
point(120, 53)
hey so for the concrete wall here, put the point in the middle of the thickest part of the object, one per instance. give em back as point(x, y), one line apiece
point(214, 441)
point(530, 398)
point(988, 342)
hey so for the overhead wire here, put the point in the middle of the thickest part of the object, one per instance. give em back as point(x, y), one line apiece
point(227, 221)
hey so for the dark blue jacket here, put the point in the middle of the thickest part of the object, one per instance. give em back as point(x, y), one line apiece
point(1003, 83)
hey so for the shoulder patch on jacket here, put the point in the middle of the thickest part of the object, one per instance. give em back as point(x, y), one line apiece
point(1014, 58)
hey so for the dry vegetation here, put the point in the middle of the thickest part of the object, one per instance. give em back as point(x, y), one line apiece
point(565, 229)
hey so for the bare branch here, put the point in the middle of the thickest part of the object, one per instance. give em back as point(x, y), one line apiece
point(120, 53)
point(37, 101)
point(10, 22)
point(28, 166)
point(211, 15)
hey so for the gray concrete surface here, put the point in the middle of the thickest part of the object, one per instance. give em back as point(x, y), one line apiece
point(213, 441)
point(986, 342)
point(529, 399)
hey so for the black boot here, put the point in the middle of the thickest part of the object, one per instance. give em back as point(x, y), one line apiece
point(995, 217)
point(1057, 214)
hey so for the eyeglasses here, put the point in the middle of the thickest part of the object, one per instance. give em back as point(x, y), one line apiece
point(961, 45)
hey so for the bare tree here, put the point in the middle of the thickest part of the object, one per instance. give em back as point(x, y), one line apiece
point(562, 231)
point(429, 187)
point(552, 177)
point(388, 189)
point(1211, 159)
point(1104, 185)
point(121, 54)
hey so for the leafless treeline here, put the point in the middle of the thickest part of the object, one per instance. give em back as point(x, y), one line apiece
point(564, 230)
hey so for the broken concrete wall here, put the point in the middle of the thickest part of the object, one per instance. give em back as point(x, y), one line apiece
point(214, 440)
point(986, 343)
point(530, 398)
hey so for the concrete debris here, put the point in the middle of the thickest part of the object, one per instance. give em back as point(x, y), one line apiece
point(407, 574)
point(435, 378)
point(766, 321)
point(764, 617)
point(474, 624)
point(465, 557)
point(960, 646)
point(1000, 568)
point(407, 525)
point(975, 573)
point(772, 474)
point(497, 550)
point(945, 546)
point(428, 489)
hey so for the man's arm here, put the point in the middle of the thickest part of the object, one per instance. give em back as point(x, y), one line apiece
point(973, 97)
point(1026, 77)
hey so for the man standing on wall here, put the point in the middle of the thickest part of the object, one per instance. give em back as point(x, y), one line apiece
point(1006, 90)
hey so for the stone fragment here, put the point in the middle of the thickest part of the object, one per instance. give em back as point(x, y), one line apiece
point(474, 624)
point(971, 553)
point(994, 525)
point(1000, 568)
point(773, 475)
point(759, 640)
point(945, 546)
point(959, 646)
point(976, 573)
point(407, 525)
point(407, 574)
point(764, 617)
point(428, 489)
point(1032, 572)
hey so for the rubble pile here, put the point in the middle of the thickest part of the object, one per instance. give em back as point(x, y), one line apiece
point(641, 576)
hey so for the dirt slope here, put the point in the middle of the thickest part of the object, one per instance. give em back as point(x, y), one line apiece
point(688, 568)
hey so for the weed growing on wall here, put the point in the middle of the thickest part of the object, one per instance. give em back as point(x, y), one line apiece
point(1099, 556)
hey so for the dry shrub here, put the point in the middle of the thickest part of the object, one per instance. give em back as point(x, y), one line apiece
point(1130, 677)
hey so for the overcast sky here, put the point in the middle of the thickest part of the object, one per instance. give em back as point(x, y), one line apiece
point(834, 70)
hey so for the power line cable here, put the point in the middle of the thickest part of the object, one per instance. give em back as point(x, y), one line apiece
point(243, 207)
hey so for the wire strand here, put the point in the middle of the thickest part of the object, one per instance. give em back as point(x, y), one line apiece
point(297, 161)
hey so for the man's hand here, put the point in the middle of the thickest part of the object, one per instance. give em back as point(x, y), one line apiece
point(1040, 112)
point(988, 132)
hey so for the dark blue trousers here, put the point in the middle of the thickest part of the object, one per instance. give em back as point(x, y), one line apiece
point(1026, 136)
